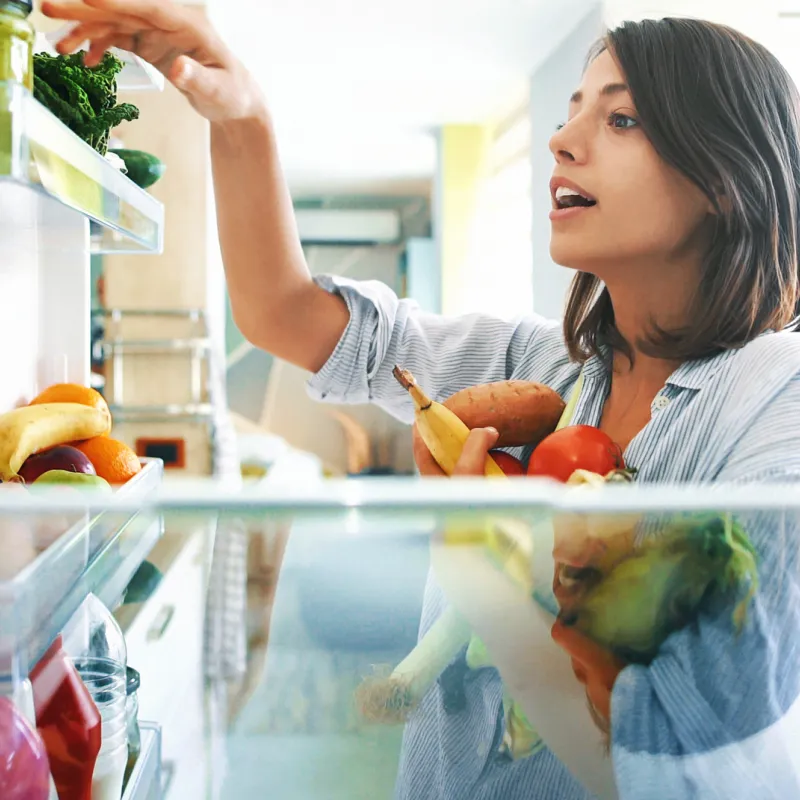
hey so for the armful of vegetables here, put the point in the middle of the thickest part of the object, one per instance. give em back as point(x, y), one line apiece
point(83, 98)
point(524, 413)
point(627, 599)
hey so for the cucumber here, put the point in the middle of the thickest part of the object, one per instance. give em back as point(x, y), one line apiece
point(143, 168)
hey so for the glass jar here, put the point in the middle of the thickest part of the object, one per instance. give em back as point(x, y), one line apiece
point(132, 714)
point(16, 42)
point(106, 681)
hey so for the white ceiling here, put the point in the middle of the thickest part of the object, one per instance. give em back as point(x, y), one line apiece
point(357, 86)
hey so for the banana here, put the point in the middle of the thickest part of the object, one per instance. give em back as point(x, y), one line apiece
point(442, 431)
point(30, 429)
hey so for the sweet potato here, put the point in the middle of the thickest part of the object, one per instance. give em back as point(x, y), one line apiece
point(523, 412)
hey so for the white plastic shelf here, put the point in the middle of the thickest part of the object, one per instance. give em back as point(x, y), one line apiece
point(38, 151)
point(137, 75)
point(99, 553)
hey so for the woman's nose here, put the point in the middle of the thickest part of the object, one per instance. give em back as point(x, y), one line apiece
point(566, 146)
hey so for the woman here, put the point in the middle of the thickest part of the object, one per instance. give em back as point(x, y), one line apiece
point(675, 198)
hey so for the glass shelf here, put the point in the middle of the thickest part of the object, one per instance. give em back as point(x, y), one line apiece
point(346, 568)
point(98, 552)
point(38, 151)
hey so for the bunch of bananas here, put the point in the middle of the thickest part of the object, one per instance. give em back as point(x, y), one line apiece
point(31, 429)
point(442, 431)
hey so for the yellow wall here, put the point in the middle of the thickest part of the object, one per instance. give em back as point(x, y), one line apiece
point(463, 167)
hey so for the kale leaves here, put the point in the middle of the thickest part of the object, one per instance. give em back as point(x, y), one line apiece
point(84, 99)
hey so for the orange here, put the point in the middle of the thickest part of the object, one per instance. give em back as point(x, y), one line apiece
point(71, 393)
point(113, 460)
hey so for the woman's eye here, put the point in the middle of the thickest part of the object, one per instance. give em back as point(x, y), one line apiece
point(560, 126)
point(622, 121)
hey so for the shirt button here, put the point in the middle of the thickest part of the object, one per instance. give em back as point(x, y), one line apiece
point(660, 403)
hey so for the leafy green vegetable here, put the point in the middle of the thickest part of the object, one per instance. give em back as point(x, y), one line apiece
point(663, 585)
point(83, 98)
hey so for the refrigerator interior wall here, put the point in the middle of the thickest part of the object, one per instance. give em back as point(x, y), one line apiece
point(44, 294)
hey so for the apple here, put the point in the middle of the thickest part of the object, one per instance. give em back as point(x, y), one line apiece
point(63, 457)
point(512, 467)
point(65, 477)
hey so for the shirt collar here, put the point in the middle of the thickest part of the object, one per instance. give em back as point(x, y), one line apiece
point(695, 374)
point(692, 375)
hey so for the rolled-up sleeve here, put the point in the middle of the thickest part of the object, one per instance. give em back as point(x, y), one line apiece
point(445, 354)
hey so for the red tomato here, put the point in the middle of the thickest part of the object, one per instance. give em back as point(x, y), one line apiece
point(512, 467)
point(575, 447)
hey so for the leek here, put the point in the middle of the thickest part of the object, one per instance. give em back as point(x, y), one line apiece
point(392, 699)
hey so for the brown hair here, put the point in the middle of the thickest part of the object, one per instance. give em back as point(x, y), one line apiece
point(723, 111)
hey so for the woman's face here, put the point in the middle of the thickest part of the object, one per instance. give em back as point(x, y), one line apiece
point(637, 210)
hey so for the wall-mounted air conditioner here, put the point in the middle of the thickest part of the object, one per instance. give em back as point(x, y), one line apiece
point(348, 226)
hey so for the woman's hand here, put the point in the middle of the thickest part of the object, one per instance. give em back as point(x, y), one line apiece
point(177, 41)
point(473, 457)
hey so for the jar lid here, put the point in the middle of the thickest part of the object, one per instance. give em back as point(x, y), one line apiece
point(133, 682)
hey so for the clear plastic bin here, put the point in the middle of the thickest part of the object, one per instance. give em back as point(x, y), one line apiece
point(97, 554)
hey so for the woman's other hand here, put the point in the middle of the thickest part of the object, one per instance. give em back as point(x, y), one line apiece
point(473, 457)
point(176, 40)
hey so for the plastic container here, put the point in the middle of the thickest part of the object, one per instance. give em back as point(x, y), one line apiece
point(132, 717)
point(105, 680)
point(16, 42)
point(41, 602)
point(94, 633)
point(24, 771)
point(68, 721)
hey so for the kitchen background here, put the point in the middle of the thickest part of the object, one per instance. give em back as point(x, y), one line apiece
point(414, 137)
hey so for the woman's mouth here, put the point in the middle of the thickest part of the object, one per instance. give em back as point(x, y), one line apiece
point(569, 201)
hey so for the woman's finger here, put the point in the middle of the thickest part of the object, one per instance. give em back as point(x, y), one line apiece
point(425, 462)
point(73, 11)
point(473, 457)
point(162, 14)
point(87, 32)
point(99, 47)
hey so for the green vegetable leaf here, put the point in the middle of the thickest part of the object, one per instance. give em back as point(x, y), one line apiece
point(83, 98)
point(665, 584)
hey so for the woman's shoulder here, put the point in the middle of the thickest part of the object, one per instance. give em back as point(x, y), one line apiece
point(768, 362)
point(760, 394)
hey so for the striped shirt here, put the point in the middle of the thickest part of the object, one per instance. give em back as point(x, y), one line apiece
point(714, 715)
